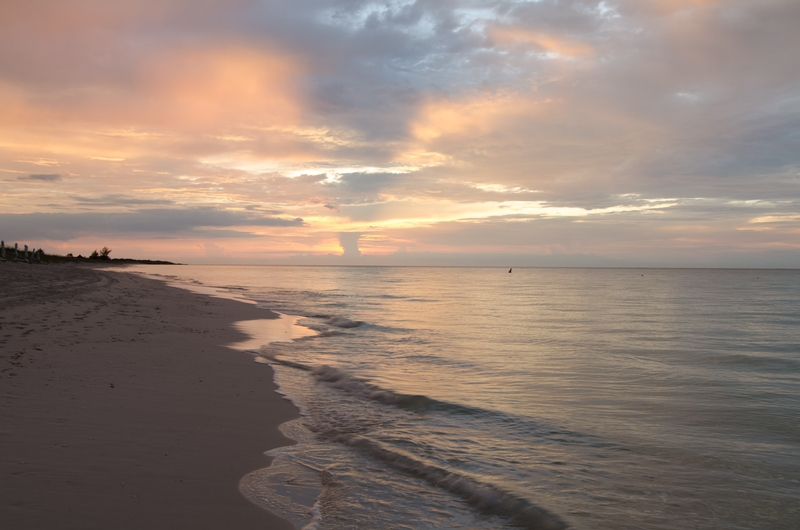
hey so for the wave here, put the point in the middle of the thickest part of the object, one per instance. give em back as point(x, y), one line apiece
point(487, 498)
point(329, 320)
point(767, 364)
point(346, 382)
point(230, 287)
point(321, 322)
point(316, 518)
point(341, 322)
point(343, 381)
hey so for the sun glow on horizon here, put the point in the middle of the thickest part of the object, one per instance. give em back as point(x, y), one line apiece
point(607, 129)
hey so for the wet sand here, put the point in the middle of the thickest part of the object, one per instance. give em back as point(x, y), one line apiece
point(121, 409)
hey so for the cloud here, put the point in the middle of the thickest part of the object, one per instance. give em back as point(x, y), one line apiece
point(49, 177)
point(155, 222)
point(395, 119)
point(349, 244)
point(117, 200)
point(506, 35)
point(212, 250)
point(367, 183)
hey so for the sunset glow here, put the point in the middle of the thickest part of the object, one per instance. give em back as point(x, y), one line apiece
point(659, 133)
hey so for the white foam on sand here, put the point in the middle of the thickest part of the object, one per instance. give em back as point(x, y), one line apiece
point(268, 330)
point(288, 487)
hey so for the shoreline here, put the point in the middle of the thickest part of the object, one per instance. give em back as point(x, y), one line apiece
point(123, 408)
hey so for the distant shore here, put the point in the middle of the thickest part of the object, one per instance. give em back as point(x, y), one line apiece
point(121, 410)
point(53, 258)
point(23, 254)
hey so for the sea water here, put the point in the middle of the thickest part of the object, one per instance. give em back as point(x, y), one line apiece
point(540, 398)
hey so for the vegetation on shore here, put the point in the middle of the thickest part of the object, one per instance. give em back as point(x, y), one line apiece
point(103, 256)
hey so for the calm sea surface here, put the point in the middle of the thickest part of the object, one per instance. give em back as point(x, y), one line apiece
point(544, 398)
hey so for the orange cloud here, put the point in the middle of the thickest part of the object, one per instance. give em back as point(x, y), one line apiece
point(479, 113)
point(670, 6)
point(179, 100)
point(509, 36)
point(215, 86)
point(212, 86)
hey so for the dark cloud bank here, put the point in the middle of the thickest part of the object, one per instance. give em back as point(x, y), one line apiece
point(151, 222)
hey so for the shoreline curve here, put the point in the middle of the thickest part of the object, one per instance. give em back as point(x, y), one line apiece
point(122, 408)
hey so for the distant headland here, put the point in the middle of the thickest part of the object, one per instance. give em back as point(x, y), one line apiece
point(22, 254)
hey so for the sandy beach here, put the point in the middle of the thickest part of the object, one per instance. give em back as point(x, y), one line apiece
point(121, 408)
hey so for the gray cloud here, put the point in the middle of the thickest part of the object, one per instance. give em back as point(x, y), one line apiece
point(157, 222)
point(349, 244)
point(49, 177)
point(117, 200)
point(368, 183)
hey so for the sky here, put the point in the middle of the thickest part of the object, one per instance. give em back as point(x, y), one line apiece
point(428, 132)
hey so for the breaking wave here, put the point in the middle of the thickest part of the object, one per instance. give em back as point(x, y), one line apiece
point(485, 497)
point(346, 382)
point(341, 322)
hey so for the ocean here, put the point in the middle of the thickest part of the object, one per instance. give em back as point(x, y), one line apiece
point(542, 398)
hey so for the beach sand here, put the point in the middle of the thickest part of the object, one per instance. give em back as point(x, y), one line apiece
point(121, 409)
